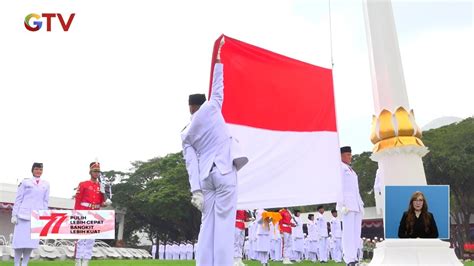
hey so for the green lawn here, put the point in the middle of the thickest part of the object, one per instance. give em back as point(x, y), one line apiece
point(148, 263)
point(158, 263)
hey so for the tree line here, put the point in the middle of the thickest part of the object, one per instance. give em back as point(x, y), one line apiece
point(155, 193)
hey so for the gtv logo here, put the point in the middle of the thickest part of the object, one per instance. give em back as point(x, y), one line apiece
point(33, 22)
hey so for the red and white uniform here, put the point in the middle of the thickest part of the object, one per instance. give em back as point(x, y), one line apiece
point(285, 229)
point(88, 196)
point(239, 235)
point(285, 222)
point(240, 219)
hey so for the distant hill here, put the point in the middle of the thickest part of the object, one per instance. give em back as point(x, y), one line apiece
point(440, 122)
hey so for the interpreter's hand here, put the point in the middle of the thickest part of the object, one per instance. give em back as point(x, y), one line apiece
point(14, 219)
point(197, 200)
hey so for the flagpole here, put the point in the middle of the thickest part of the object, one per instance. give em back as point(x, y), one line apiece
point(330, 33)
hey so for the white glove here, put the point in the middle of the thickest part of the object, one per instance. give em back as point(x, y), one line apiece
point(220, 47)
point(344, 210)
point(14, 219)
point(108, 202)
point(197, 200)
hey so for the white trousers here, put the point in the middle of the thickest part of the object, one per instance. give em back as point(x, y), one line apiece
point(272, 249)
point(239, 237)
point(84, 248)
point(278, 249)
point(287, 245)
point(161, 255)
point(336, 251)
point(19, 252)
point(175, 256)
point(298, 249)
point(322, 249)
point(189, 255)
point(216, 236)
point(352, 222)
point(252, 250)
point(262, 256)
point(313, 250)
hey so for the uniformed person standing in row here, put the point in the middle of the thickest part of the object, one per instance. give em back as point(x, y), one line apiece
point(336, 237)
point(351, 207)
point(88, 197)
point(312, 238)
point(161, 250)
point(322, 229)
point(298, 237)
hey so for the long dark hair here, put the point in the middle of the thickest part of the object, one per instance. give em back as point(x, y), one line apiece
point(410, 222)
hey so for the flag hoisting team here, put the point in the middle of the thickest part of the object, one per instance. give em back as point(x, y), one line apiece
point(272, 238)
point(213, 158)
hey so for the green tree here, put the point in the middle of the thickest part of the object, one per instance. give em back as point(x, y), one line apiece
point(156, 197)
point(451, 162)
point(365, 169)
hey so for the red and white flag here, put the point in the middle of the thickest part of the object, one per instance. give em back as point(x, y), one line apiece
point(282, 112)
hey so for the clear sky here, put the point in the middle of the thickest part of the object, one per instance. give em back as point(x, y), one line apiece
point(115, 86)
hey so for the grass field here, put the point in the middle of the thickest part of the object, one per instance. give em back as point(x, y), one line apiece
point(159, 263)
point(151, 263)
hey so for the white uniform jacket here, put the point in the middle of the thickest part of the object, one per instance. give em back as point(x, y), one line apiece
point(336, 229)
point(207, 140)
point(298, 230)
point(322, 225)
point(312, 231)
point(350, 190)
point(31, 196)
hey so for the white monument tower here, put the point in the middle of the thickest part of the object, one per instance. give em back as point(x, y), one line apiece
point(398, 148)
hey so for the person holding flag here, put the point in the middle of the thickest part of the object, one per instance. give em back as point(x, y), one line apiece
point(212, 162)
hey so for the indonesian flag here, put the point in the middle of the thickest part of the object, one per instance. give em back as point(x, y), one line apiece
point(282, 112)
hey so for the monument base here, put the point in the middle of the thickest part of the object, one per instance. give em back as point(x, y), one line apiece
point(397, 252)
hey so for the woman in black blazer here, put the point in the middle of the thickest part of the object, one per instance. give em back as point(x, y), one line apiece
point(418, 222)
